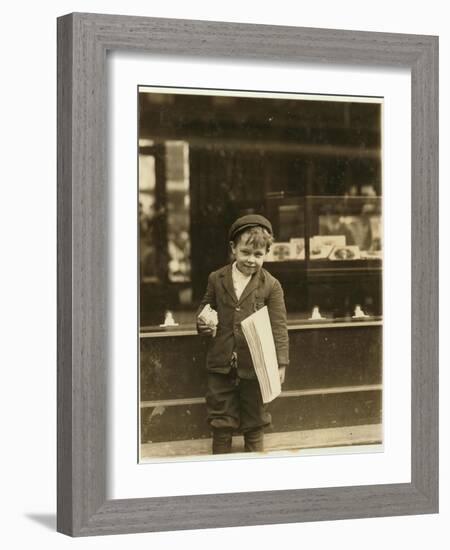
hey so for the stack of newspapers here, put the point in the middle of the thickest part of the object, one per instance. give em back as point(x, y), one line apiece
point(258, 333)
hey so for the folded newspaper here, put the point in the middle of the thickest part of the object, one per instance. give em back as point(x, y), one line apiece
point(258, 333)
point(209, 316)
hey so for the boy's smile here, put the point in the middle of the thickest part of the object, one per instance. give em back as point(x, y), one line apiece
point(248, 258)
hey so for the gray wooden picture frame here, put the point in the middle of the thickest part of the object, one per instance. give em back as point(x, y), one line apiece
point(83, 241)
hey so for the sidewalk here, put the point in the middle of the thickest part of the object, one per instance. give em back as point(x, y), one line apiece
point(274, 442)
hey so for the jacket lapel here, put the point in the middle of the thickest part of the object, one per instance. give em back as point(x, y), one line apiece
point(227, 282)
point(252, 285)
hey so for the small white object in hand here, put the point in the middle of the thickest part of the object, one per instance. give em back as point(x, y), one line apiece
point(316, 314)
point(209, 316)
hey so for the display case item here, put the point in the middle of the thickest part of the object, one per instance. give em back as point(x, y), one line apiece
point(328, 253)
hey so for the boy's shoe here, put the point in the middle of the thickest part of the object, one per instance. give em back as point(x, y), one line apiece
point(222, 439)
point(254, 441)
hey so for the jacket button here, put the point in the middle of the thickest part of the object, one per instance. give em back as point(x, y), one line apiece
point(238, 309)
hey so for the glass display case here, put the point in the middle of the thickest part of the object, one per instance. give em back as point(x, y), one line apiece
point(328, 255)
point(326, 228)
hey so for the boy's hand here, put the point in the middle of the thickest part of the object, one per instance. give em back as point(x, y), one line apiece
point(282, 373)
point(203, 328)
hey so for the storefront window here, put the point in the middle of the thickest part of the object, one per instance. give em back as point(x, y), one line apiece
point(313, 167)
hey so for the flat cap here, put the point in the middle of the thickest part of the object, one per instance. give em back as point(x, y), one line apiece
point(250, 220)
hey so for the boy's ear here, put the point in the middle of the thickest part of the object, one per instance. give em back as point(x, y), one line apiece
point(232, 246)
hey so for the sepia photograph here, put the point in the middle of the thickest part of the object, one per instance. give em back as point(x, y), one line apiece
point(260, 247)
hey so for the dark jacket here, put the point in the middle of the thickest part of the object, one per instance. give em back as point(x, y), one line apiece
point(262, 289)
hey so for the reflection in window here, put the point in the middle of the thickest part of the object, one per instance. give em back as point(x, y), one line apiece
point(147, 249)
point(164, 212)
point(178, 226)
point(363, 231)
point(289, 239)
point(350, 236)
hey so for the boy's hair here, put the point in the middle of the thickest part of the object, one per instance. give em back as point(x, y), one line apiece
point(256, 236)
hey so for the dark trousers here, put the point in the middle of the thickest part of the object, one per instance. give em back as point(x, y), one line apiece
point(235, 404)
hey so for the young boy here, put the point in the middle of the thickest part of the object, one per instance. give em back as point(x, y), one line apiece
point(236, 291)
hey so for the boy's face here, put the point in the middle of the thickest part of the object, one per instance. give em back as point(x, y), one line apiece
point(248, 258)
